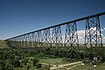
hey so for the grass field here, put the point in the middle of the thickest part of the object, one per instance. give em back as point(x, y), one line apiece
point(53, 61)
point(47, 61)
point(3, 44)
point(59, 61)
point(89, 67)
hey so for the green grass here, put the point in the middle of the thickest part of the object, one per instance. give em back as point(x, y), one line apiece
point(25, 67)
point(54, 61)
point(3, 44)
point(31, 67)
point(90, 67)
point(85, 67)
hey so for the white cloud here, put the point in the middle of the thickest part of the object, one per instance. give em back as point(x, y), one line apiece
point(102, 35)
point(81, 35)
point(102, 30)
point(103, 40)
point(93, 28)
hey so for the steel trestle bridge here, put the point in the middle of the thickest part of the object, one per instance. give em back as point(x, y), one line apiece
point(53, 36)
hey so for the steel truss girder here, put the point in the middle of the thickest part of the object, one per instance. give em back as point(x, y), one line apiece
point(57, 36)
point(93, 38)
point(46, 40)
point(42, 37)
point(39, 39)
point(26, 41)
point(33, 40)
point(71, 36)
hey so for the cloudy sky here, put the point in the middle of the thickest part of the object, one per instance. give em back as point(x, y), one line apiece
point(22, 16)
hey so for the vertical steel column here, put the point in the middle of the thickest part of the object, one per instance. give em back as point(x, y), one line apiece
point(12, 42)
point(33, 39)
point(21, 41)
point(71, 39)
point(30, 40)
point(17, 42)
point(15, 45)
point(57, 36)
point(71, 36)
point(46, 38)
point(26, 41)
point(39, 39)
point(93, 39)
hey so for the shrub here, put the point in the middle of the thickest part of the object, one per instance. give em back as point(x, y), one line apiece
point(35, 61)
point(38, 65)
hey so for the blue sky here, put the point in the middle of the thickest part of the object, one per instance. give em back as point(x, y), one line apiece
point(22, 16)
